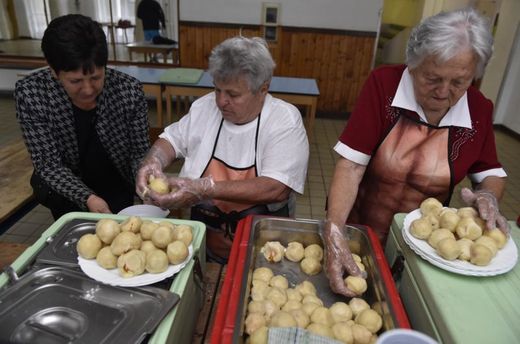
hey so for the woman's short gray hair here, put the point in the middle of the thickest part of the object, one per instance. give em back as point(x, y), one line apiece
point(448, 33)
point(242, 57)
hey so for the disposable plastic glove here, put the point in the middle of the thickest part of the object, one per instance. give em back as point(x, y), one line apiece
point(185, 192)
point(152, 164)
point(487, 205)
point(338, 259)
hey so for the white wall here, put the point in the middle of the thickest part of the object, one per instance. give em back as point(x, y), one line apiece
point(356, 15)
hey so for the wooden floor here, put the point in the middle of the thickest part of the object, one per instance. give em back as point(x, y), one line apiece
point(15, 173)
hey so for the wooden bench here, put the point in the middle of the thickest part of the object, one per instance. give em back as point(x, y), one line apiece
point(150, 49)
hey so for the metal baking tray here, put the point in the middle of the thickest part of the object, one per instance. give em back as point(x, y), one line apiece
point(61, 305)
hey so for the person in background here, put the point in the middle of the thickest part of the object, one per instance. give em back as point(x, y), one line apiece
point(85, 125)
point(245, 152)
point(416, 131)
point(152, 16)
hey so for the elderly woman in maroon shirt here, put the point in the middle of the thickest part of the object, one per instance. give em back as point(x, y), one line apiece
point(424, 128)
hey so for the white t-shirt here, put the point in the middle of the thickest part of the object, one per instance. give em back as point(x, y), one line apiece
point(282, 151)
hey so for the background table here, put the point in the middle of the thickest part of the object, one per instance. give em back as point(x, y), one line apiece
point(149, 49)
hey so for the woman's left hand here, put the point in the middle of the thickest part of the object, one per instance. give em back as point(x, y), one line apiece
point(96, 204)
point(487, 205)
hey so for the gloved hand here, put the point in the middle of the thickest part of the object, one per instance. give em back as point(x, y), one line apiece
point(152, 164)
point(338, 259)
point(185, 192)
point(487, 205)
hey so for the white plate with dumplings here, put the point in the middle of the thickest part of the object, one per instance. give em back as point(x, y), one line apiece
point(112, 277)
point(504, 261)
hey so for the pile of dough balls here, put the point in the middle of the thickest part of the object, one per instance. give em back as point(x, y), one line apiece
point(273, 303)
point(457, 233)
point(135, 246)
point(309, 257)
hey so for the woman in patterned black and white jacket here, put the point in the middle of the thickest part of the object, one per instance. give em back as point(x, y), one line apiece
point(85, 126)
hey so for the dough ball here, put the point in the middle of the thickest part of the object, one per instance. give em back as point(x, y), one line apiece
point(421, 228)
point(357, 305)
point(106, 259)
point(279, 281)
point(312, 299)
point(465, 245)
point(480, 255)
point(158, 185)
point(301, 317)
point(131, 224)
point(309, 307)
point(273, 251)
point(370, 319)
point(156, 261)
point(448, 249)
point(357, 284)
point(107, 230)
point(481, 223)
point(88, 246)
point(361, 266)
point(306, 288)
point(263, 273)
point(277, 295)
point(468, 228)
point(431, 206)
point(449, 220)
point(147, 228)
point(124, 242)
point(183, 233)
point(132, 263)
point(256, 307)
point(168, 224)
point(438, 235)
point(447, 210)
point(322, 315)
point(320, 330)
point(270, 309)
point(310, 265)
point(162, 236)
point(378, 307)
point(259, 290)
point(489, 243)
point(177, 252)
point(340, 311)
point(434, 221)
point(497, 235)
point(343, 332)
point(361, 334)
point(293, 294)
point(467, 212)
point(282, 319)
point(356, 258)
point(290, 305)
point(259, 336)
point(314, 251)
point(253, 322)
point(294, 251)
point(147, 246)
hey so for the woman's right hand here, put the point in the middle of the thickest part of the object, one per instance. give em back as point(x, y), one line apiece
point(150, 166)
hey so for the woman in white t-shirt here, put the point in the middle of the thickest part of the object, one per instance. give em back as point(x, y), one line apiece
point(245, 152)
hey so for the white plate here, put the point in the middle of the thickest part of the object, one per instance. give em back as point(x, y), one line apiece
point(144, 210)
point(504, 261)
point(91, 268)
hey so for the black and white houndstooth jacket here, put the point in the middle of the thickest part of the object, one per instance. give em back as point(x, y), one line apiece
point(45, 114)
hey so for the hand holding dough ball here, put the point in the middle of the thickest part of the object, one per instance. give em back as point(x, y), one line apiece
point(183, 233)
point(465, 246)
point(253, 322)
point(263, 273)
point(357, 284)
point(107, 230)
point(468, 228)
point(431, 206)
point(131, 264)
point(294, 251)
point(448, 248)
point(162, 236)
point(439, 234)
point(497, 235)
point(273, 251)
point(158, 185)
point(88, 246)
point(177, 252)
point(370, 319)
point(156, 261)
point(480, 255)
point(147, 228)
point(106, 259)
point(131, 224)
point(310, 265)
point(340, 311)
point(124, 242)
point(314, 251)
point(421, 228)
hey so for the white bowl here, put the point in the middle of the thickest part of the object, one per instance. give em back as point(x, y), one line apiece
point(404, 336)
point(145, 210)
